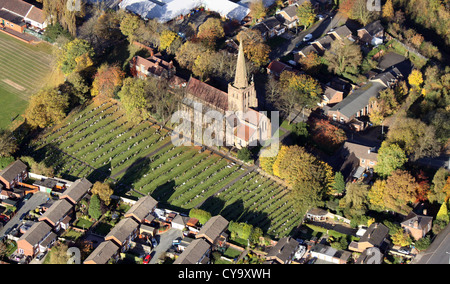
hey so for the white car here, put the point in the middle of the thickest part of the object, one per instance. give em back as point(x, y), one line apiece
point(320, 17)
point(308, 37)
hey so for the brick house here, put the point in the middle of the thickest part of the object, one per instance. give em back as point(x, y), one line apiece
point(39, 238)
point(375, 236)
point(372, 33)
point(283, 252)
point(368, 156)
point(142, 209)
point(18, 14)
point(55, 215)
point(197, 252)
point(103, 253)
point(331, 96)
point(123, 233)
point(417, 225)
point(13, 174)
point(77, 191)
point(213, 229)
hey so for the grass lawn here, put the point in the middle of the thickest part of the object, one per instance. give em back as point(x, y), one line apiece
point(25, 68)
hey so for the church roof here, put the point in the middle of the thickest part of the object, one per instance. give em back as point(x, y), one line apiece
point(208, 94)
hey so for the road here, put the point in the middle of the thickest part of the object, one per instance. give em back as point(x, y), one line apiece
point(37, 199)
point(164, 243)
point(438, 252)
point(317, 30)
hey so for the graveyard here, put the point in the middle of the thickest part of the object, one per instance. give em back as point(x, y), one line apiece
point(100, 144)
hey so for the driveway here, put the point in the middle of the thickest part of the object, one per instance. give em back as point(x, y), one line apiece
point(37, 199)
point(164, 243)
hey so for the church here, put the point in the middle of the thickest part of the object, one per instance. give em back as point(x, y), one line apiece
point(230, 119)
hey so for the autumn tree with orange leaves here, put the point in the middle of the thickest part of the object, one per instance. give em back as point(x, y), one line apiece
point(107, 81)
point(327, 136)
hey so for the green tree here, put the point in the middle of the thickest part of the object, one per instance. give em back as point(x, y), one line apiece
point(129, 25)
point(95, 208)
point(201, 215)
point(133, 98)
point(442, 215)
point(339, 183)
point(8, 144)
point(423, 243)
point(390, 158)
point(166, 40)
point(245, 154)
point(343, 58)
point(306, 14)
point(47, 107)
point(76, 55)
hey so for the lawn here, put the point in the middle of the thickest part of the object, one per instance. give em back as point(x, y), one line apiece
point(25, 69)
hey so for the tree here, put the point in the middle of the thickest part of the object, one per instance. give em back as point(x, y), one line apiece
point(133, 97)
point(306, 14)
point(415, 137)
point(438, 184)
point(442, 215)
point(415, 79)
point(188, 54)
point(166, 40)
point(76, 55)
point(326, 135)
point(400, 191)
point(47, 107)
point(95, 208)
point(202, 65)
point(201, 215)
point(390, 158)
point(210, 31)
point(339, 183)
point(388, 10)
point(360, 12)
point(343, 57)
point(8, 144)
point(107, 81)
point(104, 192)
point(257, 10)
point(58, 254)
point(401, 238)
point(245, 154)
point(376, 194)
point(255, 48)
point(311, 63)
point(356, 197)
point(129, 25)
point(423, 243)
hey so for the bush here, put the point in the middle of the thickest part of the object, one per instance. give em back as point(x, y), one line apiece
point(244, 154)
point(423, 243)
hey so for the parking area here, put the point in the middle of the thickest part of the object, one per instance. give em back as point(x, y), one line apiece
point(164, 243)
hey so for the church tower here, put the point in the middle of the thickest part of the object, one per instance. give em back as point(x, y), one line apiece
point(242, 92)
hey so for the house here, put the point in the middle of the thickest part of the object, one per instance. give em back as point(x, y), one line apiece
point(55, 215)
point(370, 256)
point(359, 104)
point(305, 51)
point(331, 96)
point(283, 252)
point(142, 209)
point(123, 233)
point(180, 222)
point(329, 254)
point(18, 14)
point(372, 33)
point(270, 27)
point(367, 155)
point(375, 236)
point(240, 123)
point(103, 253)
point(156, 67)
point(417, 225)
point(14, 173)
point(77, 191)
point(46, 185)
point(39, 238)
point(276, 67)
point(197, 252)
point(288, 16)
point(340, 33)
point(323, 44)
point(213, 229)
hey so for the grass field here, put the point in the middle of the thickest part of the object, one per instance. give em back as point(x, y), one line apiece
point(99, 143)
point(25, 68)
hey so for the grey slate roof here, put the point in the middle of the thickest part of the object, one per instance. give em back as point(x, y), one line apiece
point(77, 190)
point(13, 170)
point(36, 233)
point(358, 99)
point(284, 249)
point(122, 230)
point(193, 253)
point(57, 211)
point(214, 227)
point(374, 27)
point(342, 31)
point(103, 253)
point(142, 208)
point(375, 234)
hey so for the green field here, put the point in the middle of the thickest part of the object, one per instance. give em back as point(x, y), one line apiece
point(99, 143)
point(25, 68)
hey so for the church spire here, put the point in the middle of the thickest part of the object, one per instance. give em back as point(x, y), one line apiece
point(241, 78)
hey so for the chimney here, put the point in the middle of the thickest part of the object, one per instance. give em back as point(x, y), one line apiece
point(424, 212)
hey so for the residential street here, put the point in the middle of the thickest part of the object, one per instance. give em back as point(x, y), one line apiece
point(438, 252)
point(317, 30)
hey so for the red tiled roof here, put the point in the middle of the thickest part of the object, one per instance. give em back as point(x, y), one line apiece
point(208, 94)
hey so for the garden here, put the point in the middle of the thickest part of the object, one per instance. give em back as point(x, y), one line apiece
point(100, 144)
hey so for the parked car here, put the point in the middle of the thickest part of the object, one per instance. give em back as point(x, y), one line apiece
point(308, 37)
point(320, 17)
point(147, 259)
point(28, 196)
point(40, 256)
point(154, 243)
